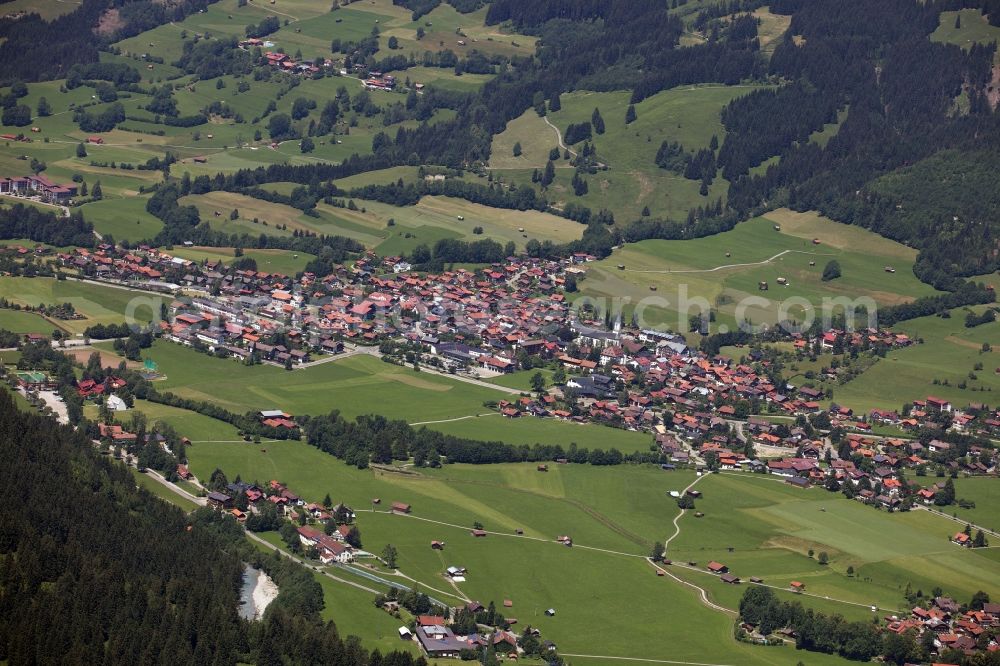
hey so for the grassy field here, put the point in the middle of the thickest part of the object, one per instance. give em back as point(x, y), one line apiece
point(621, 510)
point(688, 114)
point(755, 254)
point(973, 28)
point(99, 304)
point(18, 321)
point(284, 262)
point(158, 489)
point(365, 385)
point(434, 218)
point(985, 492)
point(771, 526)
point(123, 219)
point(949, 353)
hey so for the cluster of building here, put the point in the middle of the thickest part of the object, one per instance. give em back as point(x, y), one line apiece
point(951, 626)
point(437, 640)
point(499, 319)
point(37, 186)
point(282, 61)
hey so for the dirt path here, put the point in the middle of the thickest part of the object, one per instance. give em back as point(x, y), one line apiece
point(459, 418)
point(677, 527)
point(725, 266)
point(559, 137)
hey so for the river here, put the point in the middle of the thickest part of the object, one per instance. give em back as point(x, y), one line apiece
point(257, 592)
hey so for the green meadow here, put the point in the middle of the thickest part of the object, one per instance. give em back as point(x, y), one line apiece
point(613, 515)
point(944, 365)
point(98, 303)
point(633, 181)
point(701, 269)
point(19, 321)
point(365, 385)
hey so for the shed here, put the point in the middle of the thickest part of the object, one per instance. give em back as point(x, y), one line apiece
point(404, 633)
point(729, 578)
point(400, 507)
point(551, 612)
point(478, 533)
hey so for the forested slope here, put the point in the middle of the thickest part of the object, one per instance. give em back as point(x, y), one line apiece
point(94, 571)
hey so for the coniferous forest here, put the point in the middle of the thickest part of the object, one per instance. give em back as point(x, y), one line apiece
point(95, 571)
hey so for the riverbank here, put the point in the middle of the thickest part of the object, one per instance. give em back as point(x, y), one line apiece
point(259, 590)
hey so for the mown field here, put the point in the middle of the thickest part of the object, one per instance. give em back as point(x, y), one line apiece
point(18, 321)
point(964, 28)
point(99, 304)
point(701, 269)
point(365, 385)
point(687, 114)
point(618, 512)
point(771, 527)
point(950, 354)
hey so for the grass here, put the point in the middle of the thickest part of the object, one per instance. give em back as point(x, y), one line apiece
point(19, 321)
point(123, 219)
point(949, 353)
point(689, 262)
point(688, 114)
point(621, 509)
point(99, 304)
point(771, 527)
point(284, 262)
point(985, 492)
point(364, 385)
point(158, 489)
point(974, 28)
point(434, 218)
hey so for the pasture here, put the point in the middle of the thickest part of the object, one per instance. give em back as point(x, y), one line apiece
point(688, 114)
point(950, 354)
point(123, 219)
point(364, 385)
point(284, 262)
point(701, 269)
point(771, 526)
point(434, 218)
point(99, 304)
point(621, 510)
point(19, 321)
point(972, 27)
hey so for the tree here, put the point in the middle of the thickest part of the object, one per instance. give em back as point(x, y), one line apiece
point(44, 108)
point(353, 536)
point(979, 599)
point(559, 376)
point(393, 43)
point(850, 570)
point(658, 552)
point(946, 496)
point(537, 382)
point(555, 103)
point(420, 32)
point(549, 174)
point(831, 271)
point(630, 114)
point(279, 126)
point(18, 89)
point(96, 193)
point(81, 150)
point(327, 501)
point(597, 121)
point(980, 540)
point(517, 149)
point(823, 557)
point(18, 115)
point(389, 555)
point(958, 20)
point(306, 145)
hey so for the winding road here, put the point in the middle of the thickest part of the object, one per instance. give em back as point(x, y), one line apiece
point(726, 266)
